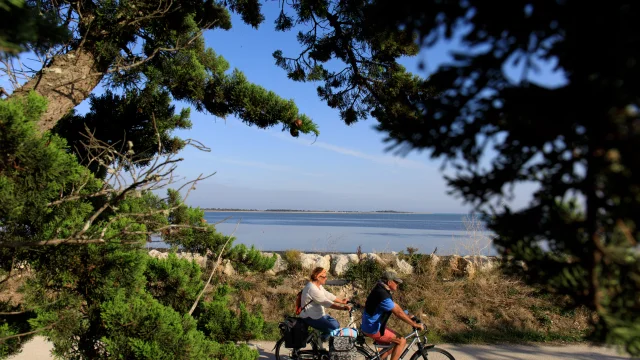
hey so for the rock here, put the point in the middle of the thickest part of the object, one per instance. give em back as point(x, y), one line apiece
point(428, 264)
point(374, 257)
point(339, 264)
point(353, 258)
point(387, 258)
point(460, 267)
point(310, 261)
point(481, 262)
point(227, 268)
point(158, 255)
point(404, 267)
point(434, 259)
point(279, 266)
point(199, 259)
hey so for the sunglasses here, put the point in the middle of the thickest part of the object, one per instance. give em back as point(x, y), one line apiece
point(322, 276)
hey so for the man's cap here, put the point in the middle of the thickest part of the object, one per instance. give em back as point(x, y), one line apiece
point(391, 275)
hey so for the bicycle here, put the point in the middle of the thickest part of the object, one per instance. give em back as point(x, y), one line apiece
point(314, 349)
point(425, 351)
point(316, 352)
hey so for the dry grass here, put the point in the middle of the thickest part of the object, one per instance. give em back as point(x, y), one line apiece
point(488, 308)
point(9, 288)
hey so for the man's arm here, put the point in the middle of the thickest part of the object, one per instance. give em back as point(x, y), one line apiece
point(397, 311)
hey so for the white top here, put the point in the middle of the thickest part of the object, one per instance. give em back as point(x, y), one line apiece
point(321, 299)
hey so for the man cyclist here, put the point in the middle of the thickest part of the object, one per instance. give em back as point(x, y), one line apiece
point(377, 310)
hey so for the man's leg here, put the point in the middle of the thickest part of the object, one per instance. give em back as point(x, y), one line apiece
point(400, 343)
point(390, 337)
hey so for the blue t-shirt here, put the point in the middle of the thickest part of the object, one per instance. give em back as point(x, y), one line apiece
point(371, 323)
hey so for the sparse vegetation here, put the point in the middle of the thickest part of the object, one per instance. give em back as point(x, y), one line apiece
point(488, 308)
point(293, 260)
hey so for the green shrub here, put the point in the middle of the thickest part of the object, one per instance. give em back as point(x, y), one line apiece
point(221, 323)
point(174, 282)
point(365, 273)
point(243, 285)
point(142, 328)
point(271, 331)
point(422, 264)
point(275, 281)
point(293, 258)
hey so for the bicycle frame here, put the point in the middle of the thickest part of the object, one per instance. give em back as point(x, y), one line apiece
point(416, 338)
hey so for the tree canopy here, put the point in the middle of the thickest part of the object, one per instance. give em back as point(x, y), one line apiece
point(574, 141)
point(77, 191)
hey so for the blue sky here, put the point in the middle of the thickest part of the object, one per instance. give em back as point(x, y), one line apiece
point(345, 168)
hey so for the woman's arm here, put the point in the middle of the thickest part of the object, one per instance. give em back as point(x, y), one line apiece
point(320, 297)
point(337, 306)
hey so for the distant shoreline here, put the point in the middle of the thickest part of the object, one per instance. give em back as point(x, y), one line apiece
point(319, 212)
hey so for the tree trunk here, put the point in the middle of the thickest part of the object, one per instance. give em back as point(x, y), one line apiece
point(65, 83)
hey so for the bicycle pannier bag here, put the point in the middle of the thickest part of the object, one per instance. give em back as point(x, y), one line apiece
point(295, 332)
point(343, 347)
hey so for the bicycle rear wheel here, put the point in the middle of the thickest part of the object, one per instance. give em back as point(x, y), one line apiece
point(433, 354)
point(308, 353)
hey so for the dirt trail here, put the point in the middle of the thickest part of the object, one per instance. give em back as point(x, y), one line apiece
point(39, 348)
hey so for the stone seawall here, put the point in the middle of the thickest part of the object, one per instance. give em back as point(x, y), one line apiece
point(338, 263)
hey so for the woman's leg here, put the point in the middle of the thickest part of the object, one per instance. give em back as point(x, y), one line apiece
point(325, 324)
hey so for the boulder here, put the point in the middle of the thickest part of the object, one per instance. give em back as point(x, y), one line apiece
point(310, 261)
point(278, 266)
point(226, 268)
point(434, 260)
point(158, 254)
point(339, 264)
point(404, 267)
point(461, 267)
point(481, 262)
point(199, 259)
point(374, 257)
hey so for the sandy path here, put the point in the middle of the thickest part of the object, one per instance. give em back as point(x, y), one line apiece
point(39, 348)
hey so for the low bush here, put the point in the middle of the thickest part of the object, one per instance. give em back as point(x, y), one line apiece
point(293, 258)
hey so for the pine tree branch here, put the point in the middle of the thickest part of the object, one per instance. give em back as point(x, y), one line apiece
point(155, 52)
point(30, 332)
point(215, 267)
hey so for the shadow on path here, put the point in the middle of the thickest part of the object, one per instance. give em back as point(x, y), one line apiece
point(502, 352)
point(522, 352)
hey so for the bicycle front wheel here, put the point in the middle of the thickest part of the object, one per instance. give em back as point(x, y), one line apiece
point(433, 354)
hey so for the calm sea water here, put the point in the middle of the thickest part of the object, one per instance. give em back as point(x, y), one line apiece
point(344, 232)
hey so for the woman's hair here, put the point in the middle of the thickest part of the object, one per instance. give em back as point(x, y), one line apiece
point(315, 273)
